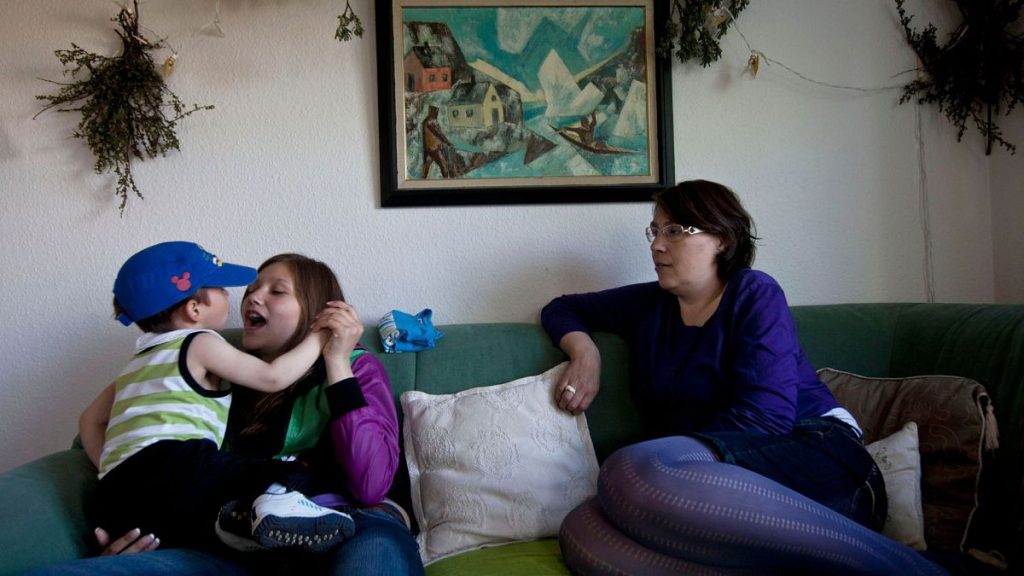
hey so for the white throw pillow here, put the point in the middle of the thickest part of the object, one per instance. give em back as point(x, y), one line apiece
point(898, 458)
point(494, 465)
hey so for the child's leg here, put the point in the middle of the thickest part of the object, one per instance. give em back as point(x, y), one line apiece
point(167, 489)
point(280, 516)
point(175, 489)
point(286, 519)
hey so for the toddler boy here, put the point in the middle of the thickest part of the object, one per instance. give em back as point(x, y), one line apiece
point(155, 433)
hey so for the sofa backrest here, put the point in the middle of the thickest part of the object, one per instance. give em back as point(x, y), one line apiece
point(977, 341)
point(850, 337)
point(983, 342)
point(473, 355)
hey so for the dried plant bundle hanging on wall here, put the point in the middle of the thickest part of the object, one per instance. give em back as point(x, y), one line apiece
point(349, 24)
point(124, 103)
point(694, 28)
point(978, 74)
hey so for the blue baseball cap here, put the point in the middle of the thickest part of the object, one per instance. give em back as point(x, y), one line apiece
point(158, 277)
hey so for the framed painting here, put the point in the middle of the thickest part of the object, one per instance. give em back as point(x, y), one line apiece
point(512, 102)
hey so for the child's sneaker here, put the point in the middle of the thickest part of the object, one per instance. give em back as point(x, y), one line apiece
point(234, 527)
point(291, 520)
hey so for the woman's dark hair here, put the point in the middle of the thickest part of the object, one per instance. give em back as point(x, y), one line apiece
point(717, 210)
point(315, 284)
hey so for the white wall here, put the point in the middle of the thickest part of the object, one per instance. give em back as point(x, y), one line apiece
point(1007, 208)
point(287, 162)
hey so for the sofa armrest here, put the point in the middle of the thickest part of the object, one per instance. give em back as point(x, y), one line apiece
point(44, 511)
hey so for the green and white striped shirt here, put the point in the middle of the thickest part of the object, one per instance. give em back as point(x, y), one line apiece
point(156, 398)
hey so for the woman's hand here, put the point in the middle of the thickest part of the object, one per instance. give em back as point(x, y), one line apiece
point(132, 542)
point(582, 378)
point(342, 321)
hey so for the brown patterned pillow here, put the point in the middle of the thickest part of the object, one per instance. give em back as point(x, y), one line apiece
point(950, 414)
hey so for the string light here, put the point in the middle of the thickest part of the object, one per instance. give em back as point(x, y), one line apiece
point(213, 27)
point(756, 56)
point(753, 65)
point(169, 64)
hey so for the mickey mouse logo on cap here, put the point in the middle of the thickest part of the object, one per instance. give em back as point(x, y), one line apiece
point(182, 284)
point(160, 276)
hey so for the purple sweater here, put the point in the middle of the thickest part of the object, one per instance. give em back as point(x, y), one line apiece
point(357, 455)
point(743, 370)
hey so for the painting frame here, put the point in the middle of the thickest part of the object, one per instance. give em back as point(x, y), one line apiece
point(649, 166)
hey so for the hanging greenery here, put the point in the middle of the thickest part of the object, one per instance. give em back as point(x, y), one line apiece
point(123, 101)
point(978, 74)
point(694, 28)
point(348, 25)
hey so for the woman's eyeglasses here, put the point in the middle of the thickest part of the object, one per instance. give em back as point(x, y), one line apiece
point(670, 232)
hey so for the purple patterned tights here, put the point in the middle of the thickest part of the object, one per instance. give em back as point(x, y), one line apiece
point(669, 506)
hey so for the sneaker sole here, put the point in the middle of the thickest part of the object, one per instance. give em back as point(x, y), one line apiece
point(236, 542)
point(233, 528)
point(316, 534)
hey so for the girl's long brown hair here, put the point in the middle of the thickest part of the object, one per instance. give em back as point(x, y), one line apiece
point(315, 284)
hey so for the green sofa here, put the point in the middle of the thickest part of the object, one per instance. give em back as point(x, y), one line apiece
point(44, 503)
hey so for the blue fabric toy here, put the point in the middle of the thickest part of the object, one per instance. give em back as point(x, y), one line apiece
point(403, 332)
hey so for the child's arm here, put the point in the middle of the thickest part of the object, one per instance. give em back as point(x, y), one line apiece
point(92, 424)
point(209, 353)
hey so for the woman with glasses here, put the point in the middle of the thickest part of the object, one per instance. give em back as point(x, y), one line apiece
point(753, 466)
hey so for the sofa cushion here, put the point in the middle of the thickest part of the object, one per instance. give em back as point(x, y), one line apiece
point(535, 558)
point(950, 416)
point(900, 462)
point(496, 464)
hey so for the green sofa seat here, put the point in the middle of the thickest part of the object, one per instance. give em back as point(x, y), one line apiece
point(46, 502)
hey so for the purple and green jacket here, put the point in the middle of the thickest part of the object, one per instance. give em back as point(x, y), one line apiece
point(347, 432)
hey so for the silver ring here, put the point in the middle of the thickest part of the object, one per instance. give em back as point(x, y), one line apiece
point(570, 388)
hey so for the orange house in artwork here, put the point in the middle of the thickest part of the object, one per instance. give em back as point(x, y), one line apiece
point(426, 70)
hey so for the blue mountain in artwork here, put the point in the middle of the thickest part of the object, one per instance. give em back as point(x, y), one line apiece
point(548, 36)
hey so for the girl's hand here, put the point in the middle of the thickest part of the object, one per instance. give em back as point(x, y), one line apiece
point(132, 542)
point(342, 321)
